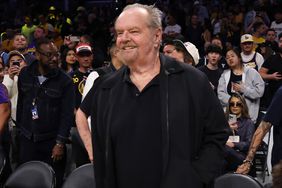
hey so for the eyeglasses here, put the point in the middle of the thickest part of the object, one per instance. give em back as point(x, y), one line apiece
point(49, 55)
point(235, 104)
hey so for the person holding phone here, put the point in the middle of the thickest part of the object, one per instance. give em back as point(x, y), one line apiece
point(16, 61)
point(243, 80)
point(242, 129)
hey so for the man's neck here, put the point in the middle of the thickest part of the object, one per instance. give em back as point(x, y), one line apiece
point(142, 74)
point(248, 53)
point(212, 67)
point(84, 69)
point(116, 63)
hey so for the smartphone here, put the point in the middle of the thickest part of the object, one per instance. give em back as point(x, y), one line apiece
point(17, 63)
point(232, 118)
point(74, 38)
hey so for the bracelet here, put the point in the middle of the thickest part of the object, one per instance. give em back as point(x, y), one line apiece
point(248, 161)
point(60, 145)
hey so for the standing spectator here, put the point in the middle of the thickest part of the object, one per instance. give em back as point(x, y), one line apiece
point(45, 109)
point(271, 71)
point(182, 52)
point(84, 55)
point(20, 43)
point(69, 62)
point(28, 29)
point(277, 23)
point(195, 32)
point(4, 117)
point(249, 57)
point(259, 33)
point(241, 79)
point(222, 62)
point(38, 34)
point(212, 70)
point(270, 40)
point(243, 128)
point(16, 62)
point(172, 29)
point(146, 116)
point(83, 125)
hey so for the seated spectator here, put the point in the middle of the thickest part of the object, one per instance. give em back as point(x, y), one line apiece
point(242, 128)
point(270, 40)
point(183, 52)
point(241, 79)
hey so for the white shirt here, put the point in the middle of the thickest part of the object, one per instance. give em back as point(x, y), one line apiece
point(259, 58)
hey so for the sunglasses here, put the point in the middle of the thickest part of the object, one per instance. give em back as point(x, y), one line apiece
point(235, 104)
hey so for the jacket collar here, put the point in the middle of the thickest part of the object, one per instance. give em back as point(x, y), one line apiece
point(33, 70)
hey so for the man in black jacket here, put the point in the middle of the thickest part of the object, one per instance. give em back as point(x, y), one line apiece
point(45, 109)
point(156, 122)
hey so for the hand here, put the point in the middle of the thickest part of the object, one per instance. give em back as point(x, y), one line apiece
point(57, 152)
point(233, 126)
point(67, 40)
point(13, 71)
point(230, 144)
point(276, 76)
point(236, 87)
point(243, 168)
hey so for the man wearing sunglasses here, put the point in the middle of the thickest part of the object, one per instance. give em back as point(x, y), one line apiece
point(45, 109)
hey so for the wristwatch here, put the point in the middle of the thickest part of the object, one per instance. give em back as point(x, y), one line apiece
point(248, 161)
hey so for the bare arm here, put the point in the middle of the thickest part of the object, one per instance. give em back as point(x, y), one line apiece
point(264, 74)
point(4, 115)
point(84, 132)
point(261, 131)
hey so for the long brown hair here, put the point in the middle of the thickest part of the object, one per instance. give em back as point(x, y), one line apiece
point(245, 109)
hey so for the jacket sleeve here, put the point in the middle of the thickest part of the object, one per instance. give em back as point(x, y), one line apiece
point(20, 100)
point(244, 143)
point(254, 87)
point(67, 112)
point(212, 134)
point(222, 94)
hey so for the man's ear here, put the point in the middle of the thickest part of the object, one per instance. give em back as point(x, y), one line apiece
point(158, 37)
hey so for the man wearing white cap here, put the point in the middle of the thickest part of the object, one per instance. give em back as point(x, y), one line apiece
point(249, 57)
point(182, 52)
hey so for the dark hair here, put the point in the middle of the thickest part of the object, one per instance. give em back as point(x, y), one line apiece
point(279, 36)
point(40, 42)
point(19, 34)
point(64, 64)
point(236, 51)
point(270, 29)
point(213, 48)
point(245, 109)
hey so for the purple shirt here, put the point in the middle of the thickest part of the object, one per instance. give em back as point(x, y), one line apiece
point(3, 94)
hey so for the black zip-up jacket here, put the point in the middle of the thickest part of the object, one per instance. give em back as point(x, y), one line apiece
point(194, 127)
point(54, 100)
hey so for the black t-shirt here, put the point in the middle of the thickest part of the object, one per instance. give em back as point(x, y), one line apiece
point(79, 79)
point(273, 116)
point(233, 78)
point(213, 75)
point(273, 64)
